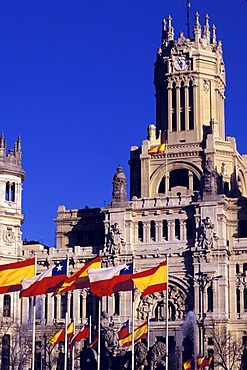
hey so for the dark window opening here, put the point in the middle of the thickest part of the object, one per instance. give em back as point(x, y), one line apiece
point(237, 269)
point(179, 177)
point(210, 299)
point(190, 228)
point(46, 308)
point(245, 299)
point(12, 192)
point(5, 352)
point(71, 306)
point(182, 107)
point(162, 186)
point(152, 230)
point(177, 228)
point(174, 108)
point(63, 305)
point(117, 304)
point(196, 183)
point(6, 305)
point(140, 231)
point(7, 192)
point(238, 300)
point(242, 229)
point(165, 229)
point(191, 108)
point(55, 308)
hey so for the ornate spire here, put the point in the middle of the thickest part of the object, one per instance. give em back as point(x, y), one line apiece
point(18, 145)
point(206, 30)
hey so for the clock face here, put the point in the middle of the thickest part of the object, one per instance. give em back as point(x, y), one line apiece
point(180, 64)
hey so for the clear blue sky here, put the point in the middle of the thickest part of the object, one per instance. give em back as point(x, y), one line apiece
point(76, 82)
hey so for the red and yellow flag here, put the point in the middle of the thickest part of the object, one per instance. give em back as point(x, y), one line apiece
point(152, 280)
point(159, 149)
point(12, 274)
point(80, 278)
point(139, 333)
point(59, 336)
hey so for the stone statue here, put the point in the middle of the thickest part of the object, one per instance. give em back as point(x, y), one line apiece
point(157, 355)
point(209, 178)
point(207, 234)
point(114, 240)
point(119, 193)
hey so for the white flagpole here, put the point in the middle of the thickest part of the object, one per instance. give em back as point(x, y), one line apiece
point(167, 313)
point(73, 348)
point(34, 319)
point(99, 341)
point(133, 324)
point(133, 331)
point(148, 337)
point(66, 323)
point(90, 329)
point(33, 341)
point(166, 182)
point(66, 338)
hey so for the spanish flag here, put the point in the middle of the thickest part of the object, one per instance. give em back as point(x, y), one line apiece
point(12, 274)
point(79, 279)
point(59, 336)
point(188, 365)
point(152, 280)
point(139, 333)
point(159, 149)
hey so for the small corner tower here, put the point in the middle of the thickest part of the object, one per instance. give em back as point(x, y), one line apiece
point(11, 217)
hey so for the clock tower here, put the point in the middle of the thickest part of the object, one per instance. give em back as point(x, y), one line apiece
point(189, 79)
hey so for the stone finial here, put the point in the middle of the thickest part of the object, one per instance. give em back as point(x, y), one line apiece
point(213, 34)
point(2, 140)
point(18, 145)
point(170, 29)
point(119, 193)
point(197, 28)
point(206, 30)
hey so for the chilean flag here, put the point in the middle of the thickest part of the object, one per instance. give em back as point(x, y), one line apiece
point(123, 331)
point(47, 282)
point(82, 334)
point(102, 280)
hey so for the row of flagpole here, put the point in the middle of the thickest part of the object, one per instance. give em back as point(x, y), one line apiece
point(99, 330)
point(101, 281)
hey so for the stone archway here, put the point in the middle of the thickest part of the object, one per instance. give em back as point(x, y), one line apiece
point(163, 172)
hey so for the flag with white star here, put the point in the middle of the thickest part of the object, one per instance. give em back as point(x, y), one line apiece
point(46, 282)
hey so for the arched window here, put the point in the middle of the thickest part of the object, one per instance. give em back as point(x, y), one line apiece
point(7, 191)
point(12, 192)
point(6, 305)
point(179, 177)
